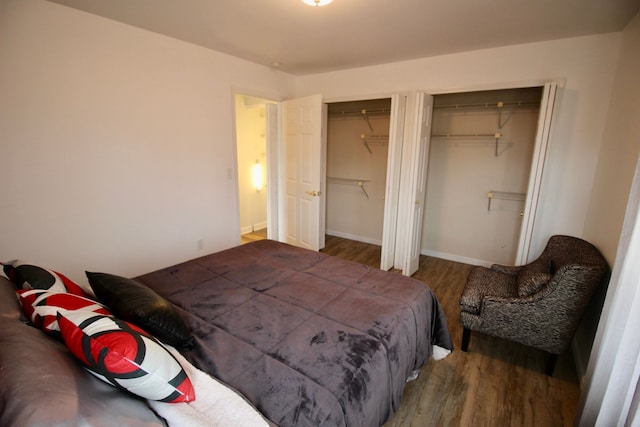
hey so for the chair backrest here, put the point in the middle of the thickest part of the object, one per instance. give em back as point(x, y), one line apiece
point(568, 250)
point(578, 269)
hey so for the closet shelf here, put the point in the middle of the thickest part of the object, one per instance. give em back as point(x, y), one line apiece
point(488, 105)
point(381, 112)
point(504, 195)
point(374, 137)
point(496, 135)
point(499, 107)
point(348, 181)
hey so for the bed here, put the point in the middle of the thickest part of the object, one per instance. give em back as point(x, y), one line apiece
point(276, 334)
point(308, 338)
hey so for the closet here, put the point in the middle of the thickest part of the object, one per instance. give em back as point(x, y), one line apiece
point(357, 151)
point(480, 158)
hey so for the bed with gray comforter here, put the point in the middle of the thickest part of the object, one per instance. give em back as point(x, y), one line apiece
point(308, 338)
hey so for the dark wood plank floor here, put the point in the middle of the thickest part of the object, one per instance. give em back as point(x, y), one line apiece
point(496, 383)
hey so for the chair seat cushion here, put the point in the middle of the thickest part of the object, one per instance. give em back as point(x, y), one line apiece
point(484, 281)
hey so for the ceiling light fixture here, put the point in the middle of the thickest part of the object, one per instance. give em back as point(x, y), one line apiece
point(317, 2)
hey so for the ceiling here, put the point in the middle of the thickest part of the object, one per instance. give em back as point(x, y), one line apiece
point(300, 39)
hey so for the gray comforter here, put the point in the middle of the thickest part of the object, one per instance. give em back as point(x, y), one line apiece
point(308, 338)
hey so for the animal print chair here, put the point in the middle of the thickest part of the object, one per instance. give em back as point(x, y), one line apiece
point(539, 304)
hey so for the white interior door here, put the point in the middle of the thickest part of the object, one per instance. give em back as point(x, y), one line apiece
point(535, 176)
point(303, 180)
point(392, 191)
point(416, 161)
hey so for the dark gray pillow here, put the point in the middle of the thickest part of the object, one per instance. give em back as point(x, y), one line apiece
point(41, 384)
point(9, 305)
point(136, 303)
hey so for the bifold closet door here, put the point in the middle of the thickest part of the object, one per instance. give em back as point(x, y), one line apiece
point(413, 184)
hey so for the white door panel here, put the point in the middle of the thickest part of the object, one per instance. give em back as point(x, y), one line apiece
point(417, 161)
point(392, 190)
point(535, 176)
point(303, 157)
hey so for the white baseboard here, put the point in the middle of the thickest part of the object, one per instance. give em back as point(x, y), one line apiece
point(354, 237)
point(456, 258)
point(259, 225)
point(251, 228)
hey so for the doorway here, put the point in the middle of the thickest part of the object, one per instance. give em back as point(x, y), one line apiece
point(481, 153)
point(297, 150)
point(253, 164)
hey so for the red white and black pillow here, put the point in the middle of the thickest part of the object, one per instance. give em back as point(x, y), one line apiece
point(29, 276)
point(125, 356)
point(42, 307)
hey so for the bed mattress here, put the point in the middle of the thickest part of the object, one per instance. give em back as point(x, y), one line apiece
point(307, 338)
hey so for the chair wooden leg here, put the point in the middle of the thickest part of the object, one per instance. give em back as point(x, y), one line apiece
point(466, 335)
point(551, 364)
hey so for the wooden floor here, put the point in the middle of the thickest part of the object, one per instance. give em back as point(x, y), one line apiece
point(496, 383)
point(253, 236)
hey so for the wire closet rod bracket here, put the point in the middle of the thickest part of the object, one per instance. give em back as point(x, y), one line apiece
point(366, 118)
point(372, 138)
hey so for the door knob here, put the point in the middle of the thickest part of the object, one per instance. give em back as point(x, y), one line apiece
point(313, 193)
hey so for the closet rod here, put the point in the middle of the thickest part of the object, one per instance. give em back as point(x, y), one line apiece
point(489, 105)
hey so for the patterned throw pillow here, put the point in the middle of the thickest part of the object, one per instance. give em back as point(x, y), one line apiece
point(29, 276)
point(42, 307)
point(125, 356)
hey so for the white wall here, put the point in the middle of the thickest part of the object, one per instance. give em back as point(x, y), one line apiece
point(614, 174)
point(118, 147)
point(619, 149)
point(350, 213)
point(582, 64)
